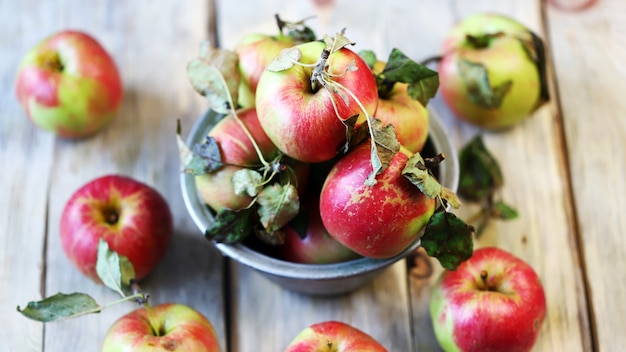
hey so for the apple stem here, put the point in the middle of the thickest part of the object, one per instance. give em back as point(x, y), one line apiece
point(234, 112)
point(484, 275)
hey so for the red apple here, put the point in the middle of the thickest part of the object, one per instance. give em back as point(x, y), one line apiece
point(487, 76)
point(334, 336)
point(299, 117)
point(132, 217)
point(237, 151)
point(314, 245)
point(69, 84)
point(494, 301)
point(166, 327)
point(408, 116)
point(377, 221)
point(257, 50)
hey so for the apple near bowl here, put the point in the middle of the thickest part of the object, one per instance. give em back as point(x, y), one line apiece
point(313, 279)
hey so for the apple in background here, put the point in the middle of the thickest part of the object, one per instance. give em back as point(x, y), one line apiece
point(237, 151)
point(300, 119)
point(334, 336)
point(132, 217)
point(408, 116)
point(494, 301)
point(69, 84)
point(487, 74)
point(166, 327)
point(316, 246)
point(377, 221)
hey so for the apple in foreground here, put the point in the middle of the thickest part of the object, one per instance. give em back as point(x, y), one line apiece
point(334, 336)
point(166, 327)
point(131, 216)
point(491, 71)
point(494, 301)
point(69, 84)
point(300, 117)
point(378, 221)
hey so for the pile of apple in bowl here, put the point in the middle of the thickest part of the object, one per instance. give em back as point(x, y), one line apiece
point(319, 166)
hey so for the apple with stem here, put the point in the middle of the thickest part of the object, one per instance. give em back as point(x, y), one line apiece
point(257, 50)
point(131, 216)
point(69, 84)
point(375, 221)
point(237, 138)
point(494, 301)
point(492, 71)
point(305, 96)
point(334, 336)
point(165, 327)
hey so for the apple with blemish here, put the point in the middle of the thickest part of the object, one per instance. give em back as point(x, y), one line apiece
point(377, 221)
point(69, 84)
point(494, 301)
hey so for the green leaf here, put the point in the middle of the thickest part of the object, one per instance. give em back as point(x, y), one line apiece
point(423, 82)
point(215, 75)
point(247, 182)
point(383, 147)
point(369, 57)
point(480, 174)
point(115, 270)
point(503, 211)
point(60, 306)
point(449, 239)
point(231, 226)
point(278, 204)
point(285, 59)
point(476, 79)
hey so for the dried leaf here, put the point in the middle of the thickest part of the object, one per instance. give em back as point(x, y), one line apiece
point(384, 146)
point(278, 204)
point(285, 59)
point(115, 271)
point(480, 174)
point(247, 182)
point(449, 239)
point(231, 226)
point(337, 42)
point(205, 158)
point(215, 75)
point(60, 306)
point(416, 171)
point(479, 89)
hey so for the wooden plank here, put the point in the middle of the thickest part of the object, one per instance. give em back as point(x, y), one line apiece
point(588, 49)
point(151, 42)
point(25, 163)
point(536, 182)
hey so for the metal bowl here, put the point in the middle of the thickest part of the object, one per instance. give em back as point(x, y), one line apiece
point(314, 279)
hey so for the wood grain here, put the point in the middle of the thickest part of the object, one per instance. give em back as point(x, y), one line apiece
point(589, 53)
point(25, 164)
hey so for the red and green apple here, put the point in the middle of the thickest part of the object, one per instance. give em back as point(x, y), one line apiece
point(166, 327)
point(494, 301)
point(334, 336)
point(131, 216)
point(69, 84)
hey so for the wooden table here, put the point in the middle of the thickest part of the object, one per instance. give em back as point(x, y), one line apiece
point(564, 170)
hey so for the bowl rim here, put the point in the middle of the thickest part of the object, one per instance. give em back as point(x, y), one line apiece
point(202, 216)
